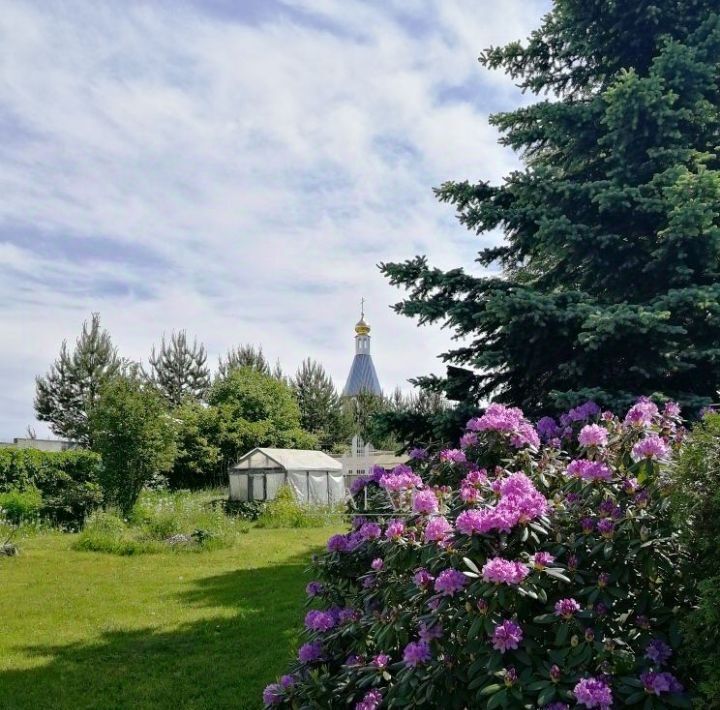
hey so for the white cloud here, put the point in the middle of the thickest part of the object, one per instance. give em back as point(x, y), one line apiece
point(238, 179)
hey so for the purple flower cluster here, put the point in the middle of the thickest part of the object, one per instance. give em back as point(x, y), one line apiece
point(566, 608)
point(506, 420)
point(507, 636)
point(642, 413)
point(395, 529)
point(593, 435)
point(658, 683)
point(541, 560)
point(310, 652)
point(501, 571)
point(314, 589)
point(377, 564)
point(581, 413)
point(274, 694)
point(593, 693)
point(370, 531)
point(416, 653)
point(438, 529)
point(380, 661)
point(371, 701)
point(658, 652)
point(399, 479)
point(449, 582)
point(425, 502)
point(418, 454)
point(651, 447)
point(471, 485)
point(468, 439)
point(520, 502)
point(453, 456)
point(548, 429)
point(589, 470)
point(359, 484)
point(321, 621)
point(422, 578)
point(428, 632)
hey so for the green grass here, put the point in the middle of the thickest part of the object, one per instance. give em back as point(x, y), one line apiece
point(84, 630)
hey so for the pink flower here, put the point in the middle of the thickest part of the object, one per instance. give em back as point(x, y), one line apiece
point(501, 571)
point(469, 439)
point(541, 560)
point(525, 435)
point(593, 693)
point(449, 582)
point(399, 479)
point(593, 435)
point(395, 530)
point(425, 502)
point(416, 653)
point(507, 635)
point(423, 578)
point(371, 700)
point(589, 470)
point(377, 564)
point(370, 531)
point(453, 456)
point(438, 529)
point(566, 608)
point(642, 413)
point(651, 447)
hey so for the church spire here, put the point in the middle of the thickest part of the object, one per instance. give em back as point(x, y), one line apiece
point(362, 375)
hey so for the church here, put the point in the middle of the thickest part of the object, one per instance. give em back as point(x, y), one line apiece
point(362, 377)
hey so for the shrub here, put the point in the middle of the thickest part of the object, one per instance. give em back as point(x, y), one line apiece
point(21, 506)
point(135, 435)
point(67, 481)
point(285, 512)
point(696, 499)
point(246, 509)
point(513, 574)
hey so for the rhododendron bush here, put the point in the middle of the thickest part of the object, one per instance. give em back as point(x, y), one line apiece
point(531, 567)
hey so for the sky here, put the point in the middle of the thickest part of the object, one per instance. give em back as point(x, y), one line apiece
point(237, 169)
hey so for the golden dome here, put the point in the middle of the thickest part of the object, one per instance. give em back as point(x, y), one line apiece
point(361, 327)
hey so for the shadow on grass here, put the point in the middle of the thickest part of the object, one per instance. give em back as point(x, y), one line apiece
point(214, 663)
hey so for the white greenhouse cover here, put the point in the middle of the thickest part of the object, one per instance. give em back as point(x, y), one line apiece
point(289, 459)
point(314, 477)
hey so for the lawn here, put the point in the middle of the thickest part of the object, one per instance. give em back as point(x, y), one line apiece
point(170, 630)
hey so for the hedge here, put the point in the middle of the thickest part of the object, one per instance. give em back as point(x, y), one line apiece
point(67, 480)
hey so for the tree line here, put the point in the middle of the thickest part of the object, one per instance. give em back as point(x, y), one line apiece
point(174, 416)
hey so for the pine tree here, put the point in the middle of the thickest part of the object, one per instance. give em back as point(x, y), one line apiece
point(64, 396)
point(243, 356)
point(610, 283)
point(179, 370)
point(321, 412)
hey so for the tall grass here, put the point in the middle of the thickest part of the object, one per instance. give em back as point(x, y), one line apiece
point(160, 520)
point(285, 512)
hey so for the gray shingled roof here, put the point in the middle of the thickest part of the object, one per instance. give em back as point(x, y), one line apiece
point(362, 377)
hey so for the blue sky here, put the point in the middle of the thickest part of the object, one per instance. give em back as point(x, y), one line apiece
point(237, 169)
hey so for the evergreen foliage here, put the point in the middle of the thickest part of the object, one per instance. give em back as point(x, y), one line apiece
point(243, 356)
point(179, 370)
point(610, 283)
point(321, 410)
point(135, 435)
point(71, 386)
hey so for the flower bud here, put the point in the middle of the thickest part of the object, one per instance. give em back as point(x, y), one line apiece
point(574, 641)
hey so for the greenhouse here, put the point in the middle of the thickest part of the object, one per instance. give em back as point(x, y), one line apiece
point(313, 476)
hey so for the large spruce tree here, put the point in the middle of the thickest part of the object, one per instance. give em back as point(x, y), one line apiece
point(607, 284)
point(179, 369)
point(65, 395)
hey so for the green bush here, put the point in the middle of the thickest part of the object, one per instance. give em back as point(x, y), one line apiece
point(247, 509)
point(285, 512)
point(67, 481)
point(18, 506)
point(696, 501)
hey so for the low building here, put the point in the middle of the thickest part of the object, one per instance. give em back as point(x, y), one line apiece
point(313, 476)
point(20, 442)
